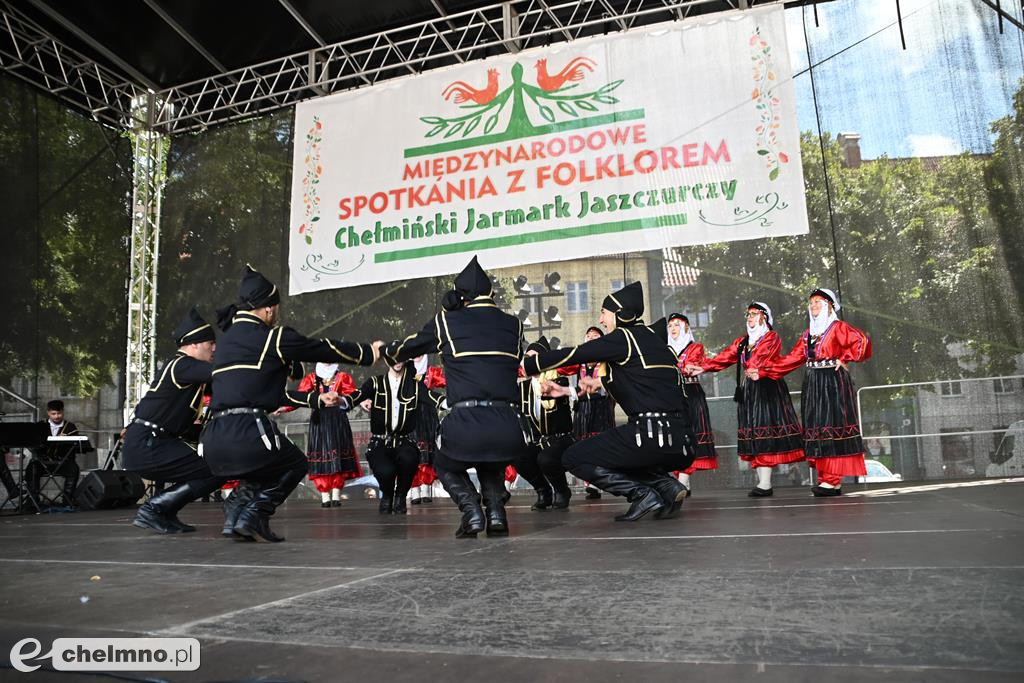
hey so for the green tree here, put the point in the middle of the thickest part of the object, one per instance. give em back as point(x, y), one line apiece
point(65, 185)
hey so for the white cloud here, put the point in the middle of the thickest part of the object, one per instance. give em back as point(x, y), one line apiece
point(932, 145)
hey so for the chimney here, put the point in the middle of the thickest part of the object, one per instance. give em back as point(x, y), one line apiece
point(849, 143)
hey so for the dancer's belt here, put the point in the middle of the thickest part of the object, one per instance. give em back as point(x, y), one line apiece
point(656, 423)
point(390, 440)
point(524, 422)
point(484, 404)
point(257, 413)
point(688, 379)
point(830, 363)
point(548, 439)
point(151, 425)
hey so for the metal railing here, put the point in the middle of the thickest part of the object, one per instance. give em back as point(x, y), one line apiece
point(21, 399)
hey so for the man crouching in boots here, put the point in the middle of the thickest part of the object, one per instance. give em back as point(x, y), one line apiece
point(154, 444)
point(251, 369)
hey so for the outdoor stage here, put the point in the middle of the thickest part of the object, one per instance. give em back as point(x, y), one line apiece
point(923, 586)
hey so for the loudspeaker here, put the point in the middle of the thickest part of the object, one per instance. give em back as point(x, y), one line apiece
point(105, 489)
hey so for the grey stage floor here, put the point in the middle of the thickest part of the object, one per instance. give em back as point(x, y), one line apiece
point(923, 585)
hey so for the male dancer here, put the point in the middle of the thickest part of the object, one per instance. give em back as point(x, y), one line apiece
point(250, 371)
point(154, 443)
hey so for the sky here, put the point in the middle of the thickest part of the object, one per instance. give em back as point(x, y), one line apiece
point(937, 97)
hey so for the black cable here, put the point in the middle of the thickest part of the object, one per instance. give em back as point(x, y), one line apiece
point(899, 20)
point(824, 162)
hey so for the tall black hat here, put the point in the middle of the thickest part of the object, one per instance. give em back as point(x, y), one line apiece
point(193, 329)
point(660, 328)
point(256, 291)
point(540, 345)
point(471, 283)
point(627, 304)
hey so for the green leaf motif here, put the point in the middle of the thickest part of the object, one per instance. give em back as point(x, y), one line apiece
point(309, 240)
point(605, 99)
point(432, 120)
point(491, 123)
point(586, 106)
point(472, 124)
point(455, 129)
point(437, 129)
point(567, 108)
point(774, 174)
point(762, 152)
point(546, 112)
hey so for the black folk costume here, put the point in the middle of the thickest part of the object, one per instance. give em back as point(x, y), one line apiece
point(156, 441)
point(768, 432)
point(481, 348)
point(393, 452)
point(251, 369)
point(689, 352)
point(551, 433)
point(632, 460)
point(828, 405)
point(594, 411)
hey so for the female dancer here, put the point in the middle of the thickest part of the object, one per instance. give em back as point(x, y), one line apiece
point(832, 440)
point(689, 352)
point(768, 433)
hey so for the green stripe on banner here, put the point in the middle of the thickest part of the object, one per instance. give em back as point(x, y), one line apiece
point(518, 134)
point(531, 237)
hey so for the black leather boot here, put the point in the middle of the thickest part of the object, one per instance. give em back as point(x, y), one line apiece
point(160, 513)
point(561, 491)
point(254, 521)
point(233, 506)
point(643, 498)
point(671, 490)
point(386, 505)
point(460, 487)
point(528, 469)
point(68, 490)
point(492, 487)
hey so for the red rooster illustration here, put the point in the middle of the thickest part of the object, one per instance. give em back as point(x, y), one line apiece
point(464, 92)
point(573, 71)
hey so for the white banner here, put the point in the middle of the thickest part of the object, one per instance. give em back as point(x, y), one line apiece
point(685, 133)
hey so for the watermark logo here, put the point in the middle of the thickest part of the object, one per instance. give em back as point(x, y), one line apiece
point(109, 654)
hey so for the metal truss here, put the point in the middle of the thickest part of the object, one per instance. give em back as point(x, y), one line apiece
point(30, 53)
point(150, 173)
point(505, 27)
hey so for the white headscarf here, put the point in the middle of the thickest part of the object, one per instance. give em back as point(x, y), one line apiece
point(326, 371)
point(421, 363)
point(755, 333)
point(680, 342)
point(819, 323)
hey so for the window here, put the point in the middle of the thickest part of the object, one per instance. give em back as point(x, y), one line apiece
point(1002, 445)
point(957, 460)
point(617, 285)
point(700, 318)
point(576, 297)
point(1005, 385)
point(951, 388)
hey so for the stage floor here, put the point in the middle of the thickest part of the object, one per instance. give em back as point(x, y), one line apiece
point(921, 585)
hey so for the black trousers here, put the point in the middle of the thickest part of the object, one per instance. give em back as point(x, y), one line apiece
point(36, 469)
point(163, 459)
point(617, 449)
point(549, 459)
point(394, 465)
point(286, 459)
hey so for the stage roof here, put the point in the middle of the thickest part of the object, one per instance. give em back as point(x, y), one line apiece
point(213, 61)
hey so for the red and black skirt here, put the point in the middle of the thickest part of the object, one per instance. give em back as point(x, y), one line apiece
point(769, 433)
point(832, 438)
point(593, 415)
point(697, 404)
point(331, 449)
